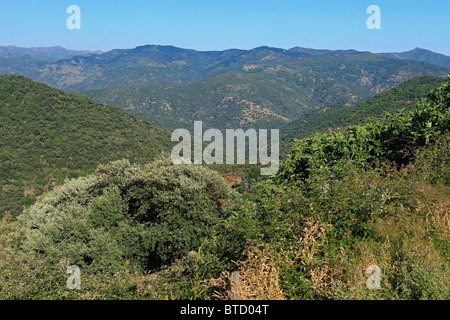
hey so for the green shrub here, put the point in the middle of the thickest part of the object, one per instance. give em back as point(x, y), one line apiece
point(327, 196)
point(148, 215)
point(395, 139)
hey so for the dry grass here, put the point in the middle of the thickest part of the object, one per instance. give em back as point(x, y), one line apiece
point(258, 278)
point(404, 241)
point(407, 247)
point(260, 272)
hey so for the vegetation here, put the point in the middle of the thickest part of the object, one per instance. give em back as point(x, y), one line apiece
point(147, 215)
point(168, 65)
point(377, 195)
point(339, 117)
point(264, 88)
point(48, 135)
point(419, 54)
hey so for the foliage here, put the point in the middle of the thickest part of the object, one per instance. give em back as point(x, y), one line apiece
point(339, 117)
point(378, 194)
point(147, 215)
point(393, 139)
point(48, 135)
point(342, 203)
point(262, 88)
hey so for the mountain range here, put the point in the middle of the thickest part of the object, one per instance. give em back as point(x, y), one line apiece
point(233, 88)
point(56, 52)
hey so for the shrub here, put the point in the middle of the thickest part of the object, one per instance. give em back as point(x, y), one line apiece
point(395, 139)
point(321, 211)
point(148, 215)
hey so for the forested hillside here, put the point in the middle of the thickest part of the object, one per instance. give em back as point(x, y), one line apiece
point(48, 135)
point(338, 117)
point(266, 88)
point(261, 87)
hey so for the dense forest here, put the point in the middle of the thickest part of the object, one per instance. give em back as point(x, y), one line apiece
point(375, 194)
point(48, 135)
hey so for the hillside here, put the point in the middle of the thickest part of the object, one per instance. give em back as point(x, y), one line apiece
point(261, 87)
point(48, 135)
point(23, 64)
point(420, 54)
point(267, 88)
point(340, 116)
point(168, 65)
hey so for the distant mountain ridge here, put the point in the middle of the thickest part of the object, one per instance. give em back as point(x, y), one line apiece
point(57, 52)
point(260, 87)
point(150, 64)
point(419, 54)
point(308, 52)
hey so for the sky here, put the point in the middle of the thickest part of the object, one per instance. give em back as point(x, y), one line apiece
point(218, 25)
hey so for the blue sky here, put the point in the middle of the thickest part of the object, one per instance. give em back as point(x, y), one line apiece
point(218, 25)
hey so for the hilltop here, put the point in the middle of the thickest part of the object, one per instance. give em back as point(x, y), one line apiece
point(420, 54)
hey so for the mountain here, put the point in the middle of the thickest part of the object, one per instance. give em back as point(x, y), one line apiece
point(172, 66)
point(261, 87)
point(267, 88)
point(166, 65)
point(48, 135)
point(339, 116)
point(308, 52)
point(29, 65)
point(420, 54)
point(30, 61)
point(52, 52)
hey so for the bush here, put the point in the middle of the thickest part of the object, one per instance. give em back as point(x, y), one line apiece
point(395, 139)
point(323, 207)
point(148, 215)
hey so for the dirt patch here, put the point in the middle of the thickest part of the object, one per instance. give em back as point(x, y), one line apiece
point(6, 216)
point(28, 191)
point(232, 179)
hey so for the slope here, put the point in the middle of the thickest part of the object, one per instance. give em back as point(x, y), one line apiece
point(339, 116)
point(267, 89)
point(420, 54)
point(48, 135)
point(169, 65)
